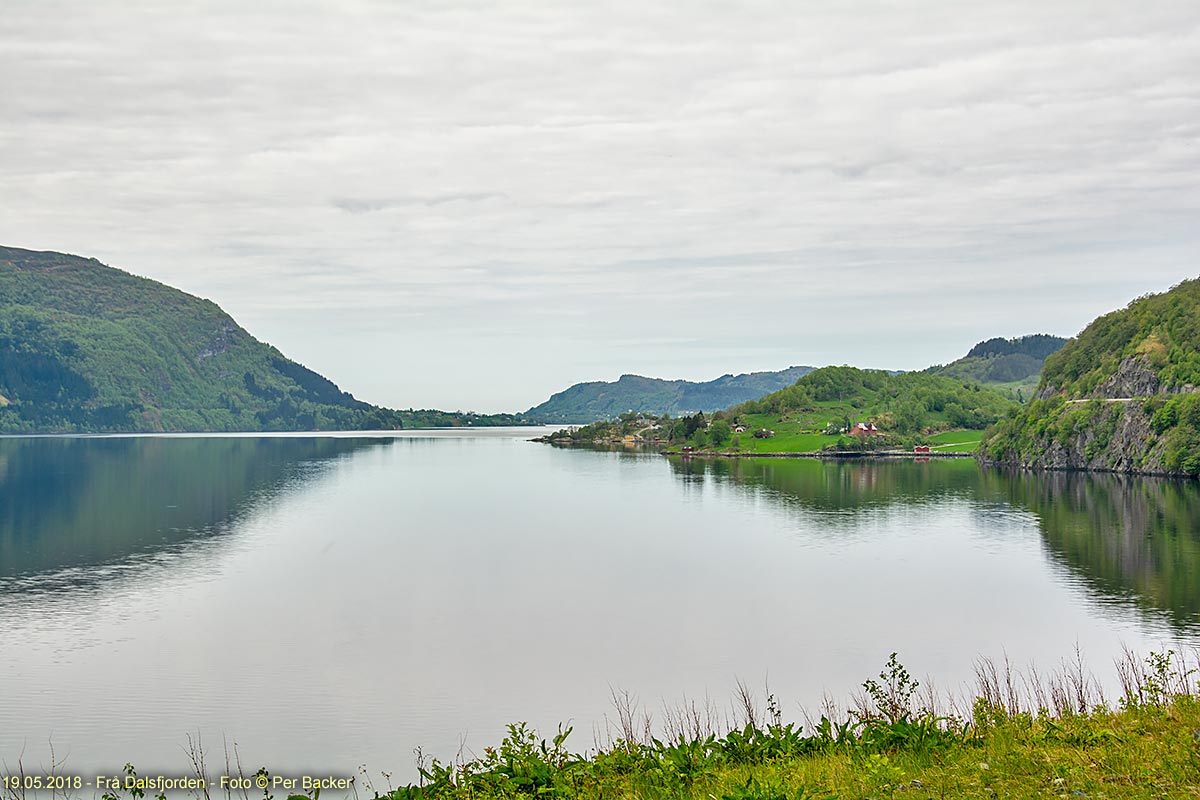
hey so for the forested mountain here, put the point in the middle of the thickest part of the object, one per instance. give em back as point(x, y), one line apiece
point(1120, 396)
point(597, 400)
point(1011, 364)
point(88, 348)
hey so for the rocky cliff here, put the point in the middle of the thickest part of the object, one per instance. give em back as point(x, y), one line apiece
point(1119, 397)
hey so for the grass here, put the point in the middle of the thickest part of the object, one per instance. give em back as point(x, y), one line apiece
point(956, 441)
point(1020, 735)
point(795, 435)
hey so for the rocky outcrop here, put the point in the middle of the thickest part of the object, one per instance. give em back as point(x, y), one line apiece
point(1134, 378)
point(1102, 435)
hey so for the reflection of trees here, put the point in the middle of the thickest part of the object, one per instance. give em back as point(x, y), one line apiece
point(818, 485)
point(1125, 536)
point(72, 502)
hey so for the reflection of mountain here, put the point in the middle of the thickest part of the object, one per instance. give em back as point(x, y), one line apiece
point(78, 502)
point(837, 485)
point(1126, 537)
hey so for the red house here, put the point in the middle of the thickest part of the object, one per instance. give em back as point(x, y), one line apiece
point(864, 429)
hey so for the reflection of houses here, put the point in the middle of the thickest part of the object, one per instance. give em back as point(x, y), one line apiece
point(864, 430)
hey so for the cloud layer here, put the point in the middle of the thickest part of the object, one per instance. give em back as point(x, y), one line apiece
point(473, 205)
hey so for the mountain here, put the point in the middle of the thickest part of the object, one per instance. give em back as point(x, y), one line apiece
point(597, 400)
point(1013, 365)
point(88, 348)
point(1120, 396)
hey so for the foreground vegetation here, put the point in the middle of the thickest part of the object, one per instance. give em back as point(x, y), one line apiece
point(1020, 736)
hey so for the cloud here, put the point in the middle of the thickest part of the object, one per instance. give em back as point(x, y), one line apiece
point(750, 170)
point(366, 206)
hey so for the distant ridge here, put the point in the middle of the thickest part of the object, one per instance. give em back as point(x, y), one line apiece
point(88, 348)
point(596, 400)
point(1014, 365)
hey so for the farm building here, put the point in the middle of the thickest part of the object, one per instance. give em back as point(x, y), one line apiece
point(864, 429)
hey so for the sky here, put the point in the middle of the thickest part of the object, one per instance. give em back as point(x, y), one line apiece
point(469, 205)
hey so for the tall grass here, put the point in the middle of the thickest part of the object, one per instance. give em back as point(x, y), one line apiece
point(1023, 731)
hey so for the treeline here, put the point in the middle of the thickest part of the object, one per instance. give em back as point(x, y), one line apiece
point(697, 428)
point(1037, 345)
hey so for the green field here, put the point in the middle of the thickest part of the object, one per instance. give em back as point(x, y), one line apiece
point(791, 436)
point(956, 441)
point(796, 436)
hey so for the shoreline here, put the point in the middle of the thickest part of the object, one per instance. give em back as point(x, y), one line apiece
point(884, 455)
point(835, 456)
point(842, 455)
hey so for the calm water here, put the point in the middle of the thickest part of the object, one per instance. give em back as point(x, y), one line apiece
point(338, 601)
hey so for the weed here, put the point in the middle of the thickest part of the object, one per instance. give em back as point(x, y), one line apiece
point(892, 694)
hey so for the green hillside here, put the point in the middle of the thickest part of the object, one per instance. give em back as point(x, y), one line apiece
point(88, 348)
point(598, 400)
point(1120, 396)
point(906, 408)
point(817, 411)
point(1011, 365)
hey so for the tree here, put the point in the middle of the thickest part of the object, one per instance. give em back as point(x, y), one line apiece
point(720, 432)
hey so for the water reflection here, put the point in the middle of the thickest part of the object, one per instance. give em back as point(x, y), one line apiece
point(839, 486)
point(71, 503)
point(1127, 538)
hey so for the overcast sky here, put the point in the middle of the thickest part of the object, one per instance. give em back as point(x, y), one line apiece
point(473, 205)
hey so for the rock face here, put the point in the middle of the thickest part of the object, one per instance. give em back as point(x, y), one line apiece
point(1116, 437)
point(1099, 435)
point(1134, 378)
point(1110, 432)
